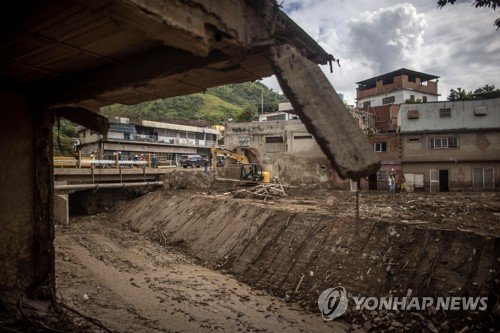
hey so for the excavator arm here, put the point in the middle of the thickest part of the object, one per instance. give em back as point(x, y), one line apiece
point(229, 154)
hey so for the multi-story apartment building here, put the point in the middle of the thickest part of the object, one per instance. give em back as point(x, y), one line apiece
point(452, 145)
point(397, 87)
point(167, 141)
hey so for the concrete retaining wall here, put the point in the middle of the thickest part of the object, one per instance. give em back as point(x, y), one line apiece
point(272, 248)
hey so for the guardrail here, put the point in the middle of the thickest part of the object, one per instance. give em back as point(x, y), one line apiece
point(72, 162)
point(165, 139)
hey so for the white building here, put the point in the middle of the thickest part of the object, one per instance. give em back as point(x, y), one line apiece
point(397, 87)
point(166, 140)
point(285, 112)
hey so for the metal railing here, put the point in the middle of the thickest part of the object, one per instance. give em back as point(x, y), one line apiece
point(167, 140)
point(107, 162)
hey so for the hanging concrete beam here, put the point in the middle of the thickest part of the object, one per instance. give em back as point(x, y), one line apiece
point(323, 113)
point(86, 118)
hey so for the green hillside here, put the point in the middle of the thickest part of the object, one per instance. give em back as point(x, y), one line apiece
point(238, 101)
point(242, 102)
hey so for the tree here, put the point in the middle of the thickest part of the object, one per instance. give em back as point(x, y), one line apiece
point(248, 114)
point(63, 138)
point(477, 3)
point(412, 101)
point(485, 88)
point(459, 94)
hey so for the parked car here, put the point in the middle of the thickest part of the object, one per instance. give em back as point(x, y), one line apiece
point(191, 161)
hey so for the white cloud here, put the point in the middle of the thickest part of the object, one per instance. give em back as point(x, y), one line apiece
point(458, 43)
point(387, 37)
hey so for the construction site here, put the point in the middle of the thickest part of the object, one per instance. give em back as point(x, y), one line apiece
point(257, 235)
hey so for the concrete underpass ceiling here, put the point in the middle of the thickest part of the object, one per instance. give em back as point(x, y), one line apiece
point(95, 53)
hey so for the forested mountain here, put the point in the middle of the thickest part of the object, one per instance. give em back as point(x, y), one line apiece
point(241, 102)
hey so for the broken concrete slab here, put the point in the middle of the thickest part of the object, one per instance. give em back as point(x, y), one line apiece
point(323, 113)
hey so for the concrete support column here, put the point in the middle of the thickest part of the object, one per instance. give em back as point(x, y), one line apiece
point(26, 220)
point(61, 209)
point(44, 202)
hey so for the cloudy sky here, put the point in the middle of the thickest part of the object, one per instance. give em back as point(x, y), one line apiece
point(458, 43)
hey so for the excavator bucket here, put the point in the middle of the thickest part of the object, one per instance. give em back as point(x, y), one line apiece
point(323, 113)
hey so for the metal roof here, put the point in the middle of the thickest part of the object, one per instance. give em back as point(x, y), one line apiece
point(402, 71)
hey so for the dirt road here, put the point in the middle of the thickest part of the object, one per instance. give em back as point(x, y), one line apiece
point(134, 285)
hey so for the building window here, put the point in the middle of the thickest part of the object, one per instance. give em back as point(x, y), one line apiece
point(424, 99)
point(301, 137)
point(412, 114)
point(274, 139)
point(244, 141)
point(276, 117)
point(480, 110)
point(412, 98)
point(388, 100)
point(445, 113)
point(380, 146)
point(367, 104)
point(413, 140)
point(483, 178)
point(443, 143)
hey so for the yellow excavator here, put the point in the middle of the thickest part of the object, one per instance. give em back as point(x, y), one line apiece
point(248, 172)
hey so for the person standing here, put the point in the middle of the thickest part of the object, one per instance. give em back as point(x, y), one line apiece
point(390, 183)
point(205, 164)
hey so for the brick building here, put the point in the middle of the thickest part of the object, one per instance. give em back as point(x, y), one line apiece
point(396, 87)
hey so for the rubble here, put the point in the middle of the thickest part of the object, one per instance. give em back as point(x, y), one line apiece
point(262, 191)
point(182, 180)
point(286, 244)
point(276, 243)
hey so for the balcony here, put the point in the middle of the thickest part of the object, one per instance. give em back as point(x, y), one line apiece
point(143, 138)
point(399, 82)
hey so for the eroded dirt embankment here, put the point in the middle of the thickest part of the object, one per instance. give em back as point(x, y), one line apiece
point(271, 246)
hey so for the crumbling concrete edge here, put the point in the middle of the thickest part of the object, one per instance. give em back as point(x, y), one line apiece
point(323, 113)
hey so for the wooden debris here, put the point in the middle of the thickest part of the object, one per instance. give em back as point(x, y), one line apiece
point(263, 192)
point(298, 284)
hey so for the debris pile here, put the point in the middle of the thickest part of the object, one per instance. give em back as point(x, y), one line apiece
point(263, 192)
point(181, 180)
point(23, 314)
point(429, 320)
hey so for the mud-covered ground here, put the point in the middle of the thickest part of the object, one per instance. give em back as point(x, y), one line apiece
point(162, 262)
point(132, 284)
point(477, 212)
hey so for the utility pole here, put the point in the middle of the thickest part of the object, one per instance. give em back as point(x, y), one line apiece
point(262, 101)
